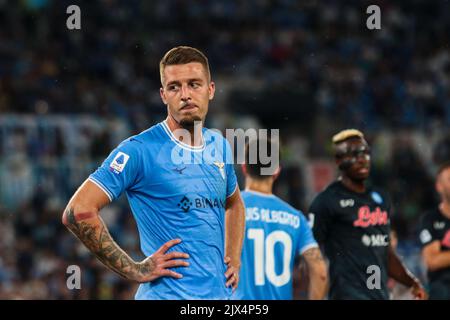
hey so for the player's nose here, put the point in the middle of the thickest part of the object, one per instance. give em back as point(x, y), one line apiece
point(185, 93)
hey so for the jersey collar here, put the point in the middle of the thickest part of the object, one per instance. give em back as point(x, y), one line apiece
point(182, 144)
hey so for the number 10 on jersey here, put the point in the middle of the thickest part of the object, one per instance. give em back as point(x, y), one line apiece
point(264, 249)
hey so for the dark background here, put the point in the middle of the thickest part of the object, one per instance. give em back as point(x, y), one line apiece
point(308, 68)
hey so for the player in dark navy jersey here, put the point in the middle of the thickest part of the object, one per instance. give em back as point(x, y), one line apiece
point(435, 239)
point(351, 222)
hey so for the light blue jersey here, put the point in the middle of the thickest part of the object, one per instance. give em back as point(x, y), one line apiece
point(275, 234)
point(176, 191)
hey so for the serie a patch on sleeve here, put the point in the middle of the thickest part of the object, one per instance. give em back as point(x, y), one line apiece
point(119, 162)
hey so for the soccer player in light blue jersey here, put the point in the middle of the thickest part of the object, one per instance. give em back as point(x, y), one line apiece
point(276, 234)
point(182, 190)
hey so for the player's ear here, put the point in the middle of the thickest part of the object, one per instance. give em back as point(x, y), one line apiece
point(163, 95)
point(211, 89)
point(277, 173)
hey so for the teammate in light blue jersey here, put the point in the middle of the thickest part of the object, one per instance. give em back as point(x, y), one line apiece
point(276, 234)
point(182, 190)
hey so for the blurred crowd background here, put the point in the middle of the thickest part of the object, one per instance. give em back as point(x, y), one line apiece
point(309, 68)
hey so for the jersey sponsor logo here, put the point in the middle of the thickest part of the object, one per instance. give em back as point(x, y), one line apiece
point(367, 218)
point(425, 236)
point(439, 225)
point(221, 166)
point(119, 162)
point(375, 240)
point(446, 241)
point(186, 204)
point(376, 197)
point(347, 203)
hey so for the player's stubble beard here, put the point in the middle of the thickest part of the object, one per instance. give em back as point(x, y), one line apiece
point(193, 124)
point(189, 123)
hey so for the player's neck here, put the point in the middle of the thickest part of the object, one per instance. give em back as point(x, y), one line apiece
point(444, 208)
point(357, 186)
point(195, 132)
point(261, 186)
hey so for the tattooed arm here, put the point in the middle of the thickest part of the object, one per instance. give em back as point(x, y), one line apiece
point(317, 270)
point(82, 218)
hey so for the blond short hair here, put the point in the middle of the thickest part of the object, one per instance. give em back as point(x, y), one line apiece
point(347, 134)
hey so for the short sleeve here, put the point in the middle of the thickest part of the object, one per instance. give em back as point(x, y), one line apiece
point(231, 174)
point(306, 240)
point(119, 170)
point(426, 231)
point(321, 219)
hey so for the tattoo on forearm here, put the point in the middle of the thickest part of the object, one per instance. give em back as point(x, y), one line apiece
point(84, 216)
point(99, 241)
